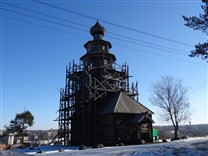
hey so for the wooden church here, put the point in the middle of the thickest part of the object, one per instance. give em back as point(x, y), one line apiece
point(98, 104)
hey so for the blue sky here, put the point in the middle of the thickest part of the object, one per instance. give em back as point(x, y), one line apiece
point(35, 50)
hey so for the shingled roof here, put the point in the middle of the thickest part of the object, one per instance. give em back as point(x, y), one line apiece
point(121, 103)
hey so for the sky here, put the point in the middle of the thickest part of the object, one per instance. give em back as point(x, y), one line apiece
point(39, 39)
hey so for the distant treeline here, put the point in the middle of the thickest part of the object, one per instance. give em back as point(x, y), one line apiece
point(166, 132)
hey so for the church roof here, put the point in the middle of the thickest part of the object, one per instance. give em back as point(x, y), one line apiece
point(121, 103)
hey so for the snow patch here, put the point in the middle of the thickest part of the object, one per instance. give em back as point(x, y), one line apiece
point(191, 146)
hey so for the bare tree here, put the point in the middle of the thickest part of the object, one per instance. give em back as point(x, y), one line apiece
point(171, 97)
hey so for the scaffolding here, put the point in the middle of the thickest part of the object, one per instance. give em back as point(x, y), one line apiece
point(85, 90)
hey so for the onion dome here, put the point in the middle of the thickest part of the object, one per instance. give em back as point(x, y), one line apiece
point(97, 29)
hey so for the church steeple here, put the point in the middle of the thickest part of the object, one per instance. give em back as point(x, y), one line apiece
point(97, 44)
point(98, 49)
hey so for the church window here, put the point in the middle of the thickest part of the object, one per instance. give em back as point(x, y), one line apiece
point(103, 47)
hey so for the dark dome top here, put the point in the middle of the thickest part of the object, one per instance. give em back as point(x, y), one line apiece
point(97, 29)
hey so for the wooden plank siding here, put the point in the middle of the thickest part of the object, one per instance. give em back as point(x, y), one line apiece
point(106, 129)
point(117, 128)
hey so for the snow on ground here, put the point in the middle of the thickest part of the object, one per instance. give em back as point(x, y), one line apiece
point(191, 147)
